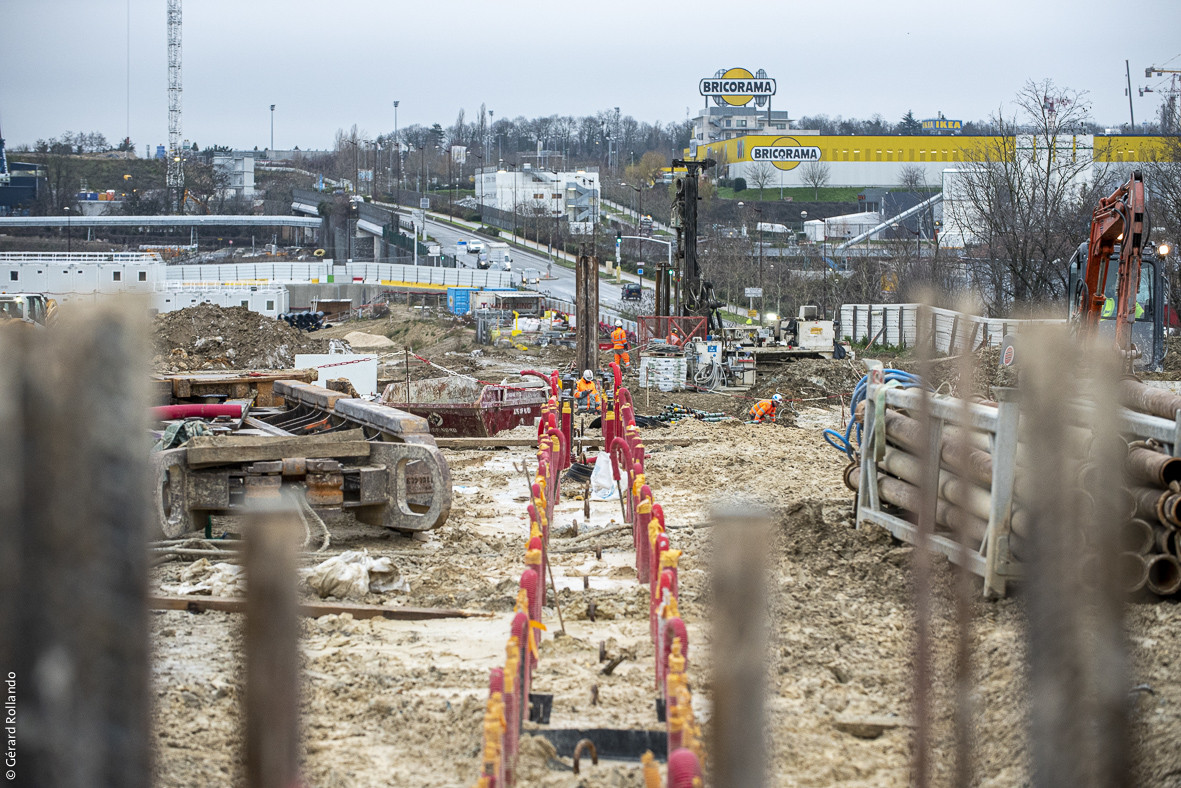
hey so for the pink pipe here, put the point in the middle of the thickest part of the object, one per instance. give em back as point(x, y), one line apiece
point(672, 628)
point(682, 767)
point(644, 553)
point(165, 412)
point(547, 379)
point(617, 374)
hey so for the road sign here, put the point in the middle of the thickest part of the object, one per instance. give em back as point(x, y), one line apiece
point(754, 292)
point(424, 203)
point(752, 313)
point(639, 271)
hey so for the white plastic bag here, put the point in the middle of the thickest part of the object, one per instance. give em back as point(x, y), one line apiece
point(355, 574)
point(602, 481)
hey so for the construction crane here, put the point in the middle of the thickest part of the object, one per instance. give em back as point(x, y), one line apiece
point(175, 179)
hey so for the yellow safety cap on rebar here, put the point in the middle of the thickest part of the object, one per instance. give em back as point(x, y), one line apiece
point(669, 559)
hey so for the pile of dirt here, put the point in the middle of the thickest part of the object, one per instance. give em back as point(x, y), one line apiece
point(215, 337)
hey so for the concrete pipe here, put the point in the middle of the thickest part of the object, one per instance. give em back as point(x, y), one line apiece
point(1132, 571)
point(1164, 574)
point(909, 497)
point(1153, 503)
point(962, 493)
point(1146, 466)
point(1137, 536)
point(1163, 537)
point(1138, 396)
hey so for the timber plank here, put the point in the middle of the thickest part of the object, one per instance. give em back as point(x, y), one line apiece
point(225, 449)
point(315, 609)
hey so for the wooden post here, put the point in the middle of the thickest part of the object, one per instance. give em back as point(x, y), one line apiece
point(272, 648)
point(586, 306)
point(740, 625)
point(74, 508)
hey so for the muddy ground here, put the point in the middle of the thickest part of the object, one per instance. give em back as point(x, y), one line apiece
point(401, 703)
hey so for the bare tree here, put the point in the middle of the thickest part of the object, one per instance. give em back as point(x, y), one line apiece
point(1024, 196)
point(913, 178)
point(760, 175)
point(817, 175)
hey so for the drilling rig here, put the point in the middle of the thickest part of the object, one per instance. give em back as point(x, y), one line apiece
point(696, 296)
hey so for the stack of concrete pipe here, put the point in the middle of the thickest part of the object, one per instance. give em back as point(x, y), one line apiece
point(1149, 539)
point(1154, 480)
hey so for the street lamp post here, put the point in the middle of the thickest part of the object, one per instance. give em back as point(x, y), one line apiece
point(272, 128)
point(397, 155)
point(68, 230)
point(759, 226)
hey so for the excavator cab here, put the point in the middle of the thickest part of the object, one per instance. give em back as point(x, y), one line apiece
point(1151, 297)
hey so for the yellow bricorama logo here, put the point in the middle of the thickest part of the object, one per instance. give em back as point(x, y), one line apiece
point(786, 153)
point(737, 87)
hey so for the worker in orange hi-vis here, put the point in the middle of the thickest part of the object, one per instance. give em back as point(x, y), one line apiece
point(619, 343)
point(586, 394)
point(674, 338)
point(764, 409)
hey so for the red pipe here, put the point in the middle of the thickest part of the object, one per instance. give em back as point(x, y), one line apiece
point(165, 412)
point(617, 374)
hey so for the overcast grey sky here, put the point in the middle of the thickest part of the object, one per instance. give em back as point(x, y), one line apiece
point(63, 63)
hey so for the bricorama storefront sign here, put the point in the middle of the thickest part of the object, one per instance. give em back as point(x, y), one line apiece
point(786, 153)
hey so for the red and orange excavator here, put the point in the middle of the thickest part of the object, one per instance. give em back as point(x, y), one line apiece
point(1119, 287)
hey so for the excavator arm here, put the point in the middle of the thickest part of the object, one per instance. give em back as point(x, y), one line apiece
point(1119, 218)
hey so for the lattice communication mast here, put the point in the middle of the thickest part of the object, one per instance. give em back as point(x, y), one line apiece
point(176, 171)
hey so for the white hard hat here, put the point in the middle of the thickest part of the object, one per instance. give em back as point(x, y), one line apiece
point(588, 375)
point(619, 324)
point(777, 398)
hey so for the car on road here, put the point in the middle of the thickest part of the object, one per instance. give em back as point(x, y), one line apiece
point(474, 246)
point(530, 276)
point(631, 292)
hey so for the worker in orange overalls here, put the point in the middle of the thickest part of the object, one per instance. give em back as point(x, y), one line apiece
point(587, 398)
point(764, 409)
point(674, 338)
point(619, 343)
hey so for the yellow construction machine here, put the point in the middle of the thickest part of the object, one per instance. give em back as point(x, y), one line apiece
point(32, 309)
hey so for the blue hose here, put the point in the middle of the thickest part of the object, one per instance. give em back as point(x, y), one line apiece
point(845, 443)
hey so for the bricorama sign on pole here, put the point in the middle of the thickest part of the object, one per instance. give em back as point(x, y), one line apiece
point(737, 87)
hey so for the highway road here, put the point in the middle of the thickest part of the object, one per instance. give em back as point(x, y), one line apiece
point(562, 284)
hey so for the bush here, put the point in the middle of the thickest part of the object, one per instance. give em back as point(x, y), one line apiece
point(725, 183)
point(486, 230)
point(739, 185)
point(471, 216)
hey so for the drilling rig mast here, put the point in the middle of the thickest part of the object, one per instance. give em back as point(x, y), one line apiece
point(176, 174)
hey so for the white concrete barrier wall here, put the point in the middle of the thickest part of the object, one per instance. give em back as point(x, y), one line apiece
point(954, 332)
point(369, 273)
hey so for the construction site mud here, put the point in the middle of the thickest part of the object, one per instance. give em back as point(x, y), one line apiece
point(402, 702)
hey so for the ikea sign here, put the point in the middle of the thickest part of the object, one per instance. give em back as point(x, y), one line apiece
point(942, 124)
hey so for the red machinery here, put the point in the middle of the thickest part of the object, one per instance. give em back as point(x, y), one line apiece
point(1119, 218)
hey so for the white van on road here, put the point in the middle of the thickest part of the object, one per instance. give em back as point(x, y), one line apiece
point(530, 276)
